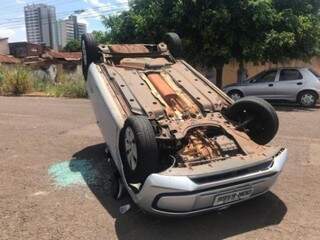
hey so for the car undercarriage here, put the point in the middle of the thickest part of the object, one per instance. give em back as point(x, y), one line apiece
point(184, 109)
point(159, 115)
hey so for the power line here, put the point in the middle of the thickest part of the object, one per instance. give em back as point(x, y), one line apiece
point(9, 6)
point(99, 9)
point(9, 19)
point(6, 18)
point(19, 25)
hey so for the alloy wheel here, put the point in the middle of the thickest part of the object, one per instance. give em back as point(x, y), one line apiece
point(235, 96)
point(307, 99)
point(131, 149)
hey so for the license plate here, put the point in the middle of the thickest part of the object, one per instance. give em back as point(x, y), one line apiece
point(232, 196)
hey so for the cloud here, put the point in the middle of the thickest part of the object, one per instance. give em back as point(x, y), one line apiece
point(21, 1)
point(97, 3)
point(82, 20)
point(5, 32)
point(14, 35)
point(103, 6)
point(89, 13)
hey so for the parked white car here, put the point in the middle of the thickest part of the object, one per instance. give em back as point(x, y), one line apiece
point(301, 85)
point(179, 144)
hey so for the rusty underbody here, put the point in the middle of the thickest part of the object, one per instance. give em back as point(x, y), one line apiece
point(185, 109)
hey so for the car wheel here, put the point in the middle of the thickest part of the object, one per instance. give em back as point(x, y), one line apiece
point(174, 44)
point(307, 99)
point(257, 117)
point(235, 95)
point(116, 186)
point(139, 149)
point(90, 52)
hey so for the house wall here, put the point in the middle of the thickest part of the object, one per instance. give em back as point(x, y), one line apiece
point(24, 49)
point(230, 70)
point(4, 46)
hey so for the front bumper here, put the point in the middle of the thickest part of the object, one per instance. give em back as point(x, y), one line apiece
point(181, 195)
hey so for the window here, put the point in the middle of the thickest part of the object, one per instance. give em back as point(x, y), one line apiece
point(290, 74)
point(314, 72)
point(265, 77)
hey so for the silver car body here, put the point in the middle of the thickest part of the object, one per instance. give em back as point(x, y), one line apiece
point(276, 87)
point(170, 195)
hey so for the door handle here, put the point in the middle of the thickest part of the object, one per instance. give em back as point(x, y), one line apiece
point(299, 83)
point(270, 85)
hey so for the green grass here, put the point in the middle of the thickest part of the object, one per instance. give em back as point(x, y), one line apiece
point(19, 80)
point(15, 81)
point(71, 89)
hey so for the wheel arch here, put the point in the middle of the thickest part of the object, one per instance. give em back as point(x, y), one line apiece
point(307, 90)
point(235, 90)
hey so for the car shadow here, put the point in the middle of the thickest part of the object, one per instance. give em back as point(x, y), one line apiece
point(254, 214)
point(293, 107)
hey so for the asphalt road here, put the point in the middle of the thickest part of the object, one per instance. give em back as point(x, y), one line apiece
point(54, 182)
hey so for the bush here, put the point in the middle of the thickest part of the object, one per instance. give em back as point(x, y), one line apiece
point(20, 80)
point(15, 81)
point(71, 89)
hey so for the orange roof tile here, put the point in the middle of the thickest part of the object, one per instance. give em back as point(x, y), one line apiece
point(8, 59)
point(68, 56)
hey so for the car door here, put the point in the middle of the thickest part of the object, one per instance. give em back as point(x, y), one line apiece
point(289, 84)
point(262, 85)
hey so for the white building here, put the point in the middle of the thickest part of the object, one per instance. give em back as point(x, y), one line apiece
point(70, 29)
point(82, 29)
point(65, 32)
point(4, 46)
point(41, 24)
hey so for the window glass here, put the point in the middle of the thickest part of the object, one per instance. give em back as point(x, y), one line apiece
point(268, 76)
point(290, 74)
point(314, 72)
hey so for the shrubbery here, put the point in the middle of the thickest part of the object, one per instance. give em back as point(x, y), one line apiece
point(19, 80)
point(15, 81)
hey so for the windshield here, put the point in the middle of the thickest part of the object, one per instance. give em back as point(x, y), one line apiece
point(252, 79)
point(314, 72)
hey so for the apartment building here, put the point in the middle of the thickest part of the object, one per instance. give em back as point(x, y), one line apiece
point(41, 24)
point(70, 29)
point(82, 29)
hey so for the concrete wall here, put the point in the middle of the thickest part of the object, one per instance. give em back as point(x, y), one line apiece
point(230, 70)
point(4, 46)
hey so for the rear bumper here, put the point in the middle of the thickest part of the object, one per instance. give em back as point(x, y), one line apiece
point(181, 196)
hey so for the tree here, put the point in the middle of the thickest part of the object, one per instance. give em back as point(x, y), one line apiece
point(73, 46)
point(214, 32)
point(101, 37)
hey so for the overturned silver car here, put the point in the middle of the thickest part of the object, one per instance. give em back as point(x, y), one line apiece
point(180, 145)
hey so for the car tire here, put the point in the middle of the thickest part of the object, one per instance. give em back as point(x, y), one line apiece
point(174, 44)
point(235, 95)
point(257, 117)
point(307, 99)
point(90, 52)
point(139, 149)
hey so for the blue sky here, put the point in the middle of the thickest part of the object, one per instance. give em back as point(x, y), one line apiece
point(12, 17)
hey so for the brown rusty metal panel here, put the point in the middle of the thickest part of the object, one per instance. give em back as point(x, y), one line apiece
point(219, 93)
point(128, 48)
point(143, 63)
point(203, 93)
point(126, 91)
point(181, 80)
point(132, 80)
